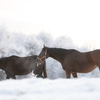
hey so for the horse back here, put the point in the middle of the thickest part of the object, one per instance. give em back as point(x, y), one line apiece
point(96, 56)
point(78, 60)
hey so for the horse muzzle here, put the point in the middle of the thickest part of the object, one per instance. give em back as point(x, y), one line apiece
point(38, 61)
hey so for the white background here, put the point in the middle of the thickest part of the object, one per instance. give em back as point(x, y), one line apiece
point(78, 19)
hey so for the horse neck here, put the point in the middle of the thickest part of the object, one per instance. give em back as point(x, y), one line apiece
point(55, 54)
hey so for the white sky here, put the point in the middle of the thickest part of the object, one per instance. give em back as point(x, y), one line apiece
point(79, 19)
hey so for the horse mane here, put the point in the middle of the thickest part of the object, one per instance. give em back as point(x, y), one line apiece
point(60, 51)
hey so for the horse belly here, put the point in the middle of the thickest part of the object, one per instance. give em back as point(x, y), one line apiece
point(84, 63)
point(86, 69)
point(22, 70)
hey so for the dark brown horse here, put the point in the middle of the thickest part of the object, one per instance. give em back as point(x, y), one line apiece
point(15, 65)
point(72, 60)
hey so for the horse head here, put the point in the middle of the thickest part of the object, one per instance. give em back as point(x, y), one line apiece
point(42, 56)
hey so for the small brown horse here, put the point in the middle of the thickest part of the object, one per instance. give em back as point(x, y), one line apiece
point(15, 65)
point(72, 60)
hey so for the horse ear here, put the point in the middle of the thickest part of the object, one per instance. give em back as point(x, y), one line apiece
point(44, 46)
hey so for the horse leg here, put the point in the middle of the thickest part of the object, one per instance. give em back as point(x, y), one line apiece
point(13, 77)
point(8, 77)
point(40, 75)
point(68, 73)
point(74, 74)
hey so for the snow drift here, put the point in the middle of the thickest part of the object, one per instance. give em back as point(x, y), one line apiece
point(46, 89)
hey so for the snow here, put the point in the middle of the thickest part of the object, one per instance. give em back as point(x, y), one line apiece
point(46, 89)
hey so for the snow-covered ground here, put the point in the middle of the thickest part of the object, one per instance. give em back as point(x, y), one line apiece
point(46, 89)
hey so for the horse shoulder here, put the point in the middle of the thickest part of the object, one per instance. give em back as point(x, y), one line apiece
point(69, 59)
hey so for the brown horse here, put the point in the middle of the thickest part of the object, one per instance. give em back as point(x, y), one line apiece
point(15, 65)
point(72, 60)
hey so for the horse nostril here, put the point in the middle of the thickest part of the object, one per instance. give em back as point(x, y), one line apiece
point(37, 64)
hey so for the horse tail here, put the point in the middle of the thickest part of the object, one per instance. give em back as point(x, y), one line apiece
point(44, 70)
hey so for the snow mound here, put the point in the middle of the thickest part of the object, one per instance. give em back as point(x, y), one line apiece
point(46, 89)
